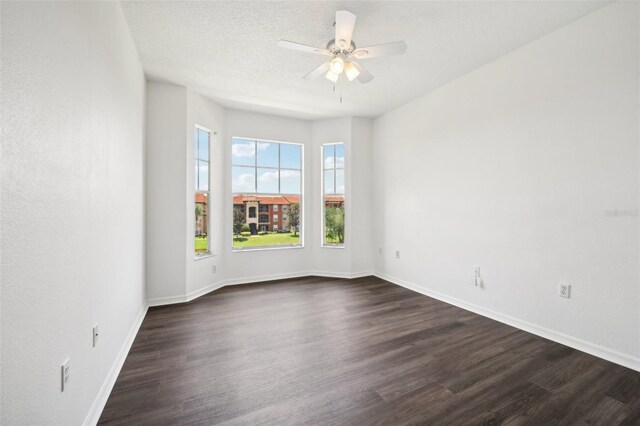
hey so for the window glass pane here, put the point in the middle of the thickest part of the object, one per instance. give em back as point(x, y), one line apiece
point(334, 220)
point(333, 187)
point(195, 175)
point(329, 153)
point(201, 223)
point(291, 156)
point(339, 156)
point(339, 181)
point(195, 143)
point(328, 182)
point(290, 182)
point(203, 145)
point(243, 179)
point(203, 175)
point(243, 152)
point(267, 154)
point(268, 181)
point(261, 189)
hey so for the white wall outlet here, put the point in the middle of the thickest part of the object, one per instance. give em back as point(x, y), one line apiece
point(95, 335)
point(397, 254)
point(564, 290)
point(477, 279)
point(65, 372)
point(214, 269)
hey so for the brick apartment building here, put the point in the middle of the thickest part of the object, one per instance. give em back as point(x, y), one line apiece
point(265, 213)
point(269, 213)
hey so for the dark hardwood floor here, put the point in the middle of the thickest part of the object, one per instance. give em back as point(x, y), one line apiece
point(328, 351)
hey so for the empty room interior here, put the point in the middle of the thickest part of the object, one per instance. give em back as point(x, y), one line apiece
point(320, 212)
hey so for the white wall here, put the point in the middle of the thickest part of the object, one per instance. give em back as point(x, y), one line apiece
point(166, 180)
point(173, 272)
point(203, 112)
point(512, 168)
point(73, 204)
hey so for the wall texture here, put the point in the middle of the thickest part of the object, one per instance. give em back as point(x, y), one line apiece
point(73, 204)
point(166, 180)
point(519, 167)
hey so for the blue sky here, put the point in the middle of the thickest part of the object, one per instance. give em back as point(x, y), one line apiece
point(246, 153)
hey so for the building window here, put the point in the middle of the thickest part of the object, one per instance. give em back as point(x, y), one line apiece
point(252, 212)
point(266, 174)
point(333, 195)
point(263, 218)
point(275, 228)
point(201, 139)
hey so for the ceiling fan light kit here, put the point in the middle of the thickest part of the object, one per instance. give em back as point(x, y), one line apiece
point(342, 52)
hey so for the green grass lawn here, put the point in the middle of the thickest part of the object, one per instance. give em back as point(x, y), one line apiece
point(332, 241)
point(201, 244)
point(266, 240)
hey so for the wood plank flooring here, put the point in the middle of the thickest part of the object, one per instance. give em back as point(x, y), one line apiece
point(328, 351)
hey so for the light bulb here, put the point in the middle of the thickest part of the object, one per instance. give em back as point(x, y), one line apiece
point(332, 76)
point(351, 71)
point(337, 65)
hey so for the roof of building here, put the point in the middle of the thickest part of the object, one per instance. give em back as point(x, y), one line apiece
point(266, 199)
point(334, 198)
point(201, 198)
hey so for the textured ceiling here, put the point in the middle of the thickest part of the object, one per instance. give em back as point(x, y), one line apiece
point(227, 50)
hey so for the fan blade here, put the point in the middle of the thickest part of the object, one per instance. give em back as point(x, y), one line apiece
point(302, 47)
point(364, 76)
point(386, 49)
point(321, 70)
point(345, 22)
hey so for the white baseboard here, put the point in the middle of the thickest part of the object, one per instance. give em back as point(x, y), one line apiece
point(573, 342)
point(262, 278)
point(347, 275)
point(105, 390)
point(170, 300)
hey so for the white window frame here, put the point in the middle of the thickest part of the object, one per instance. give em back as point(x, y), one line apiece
point(323, 244)
point(302, 225)
point(207, 193)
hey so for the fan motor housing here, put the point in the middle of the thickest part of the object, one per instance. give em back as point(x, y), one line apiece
point(335, 49)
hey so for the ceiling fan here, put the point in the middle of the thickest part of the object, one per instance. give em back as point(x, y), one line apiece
point(342, 52)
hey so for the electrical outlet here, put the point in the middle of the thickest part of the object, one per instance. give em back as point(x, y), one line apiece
point(477, 279)
point(564, 290)
point(95, 335)
point(65, 372)
point(213, 269)
point(397, 254)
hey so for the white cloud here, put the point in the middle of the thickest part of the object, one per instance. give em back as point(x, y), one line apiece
point(243, 183)
point(328, 163)
point(268, 177)
point(289, 175)
point(243, 150)
point(247, 149)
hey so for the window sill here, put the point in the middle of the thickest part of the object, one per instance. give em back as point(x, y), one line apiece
point(233, 250)
point(332, 247)
point(205, 256)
